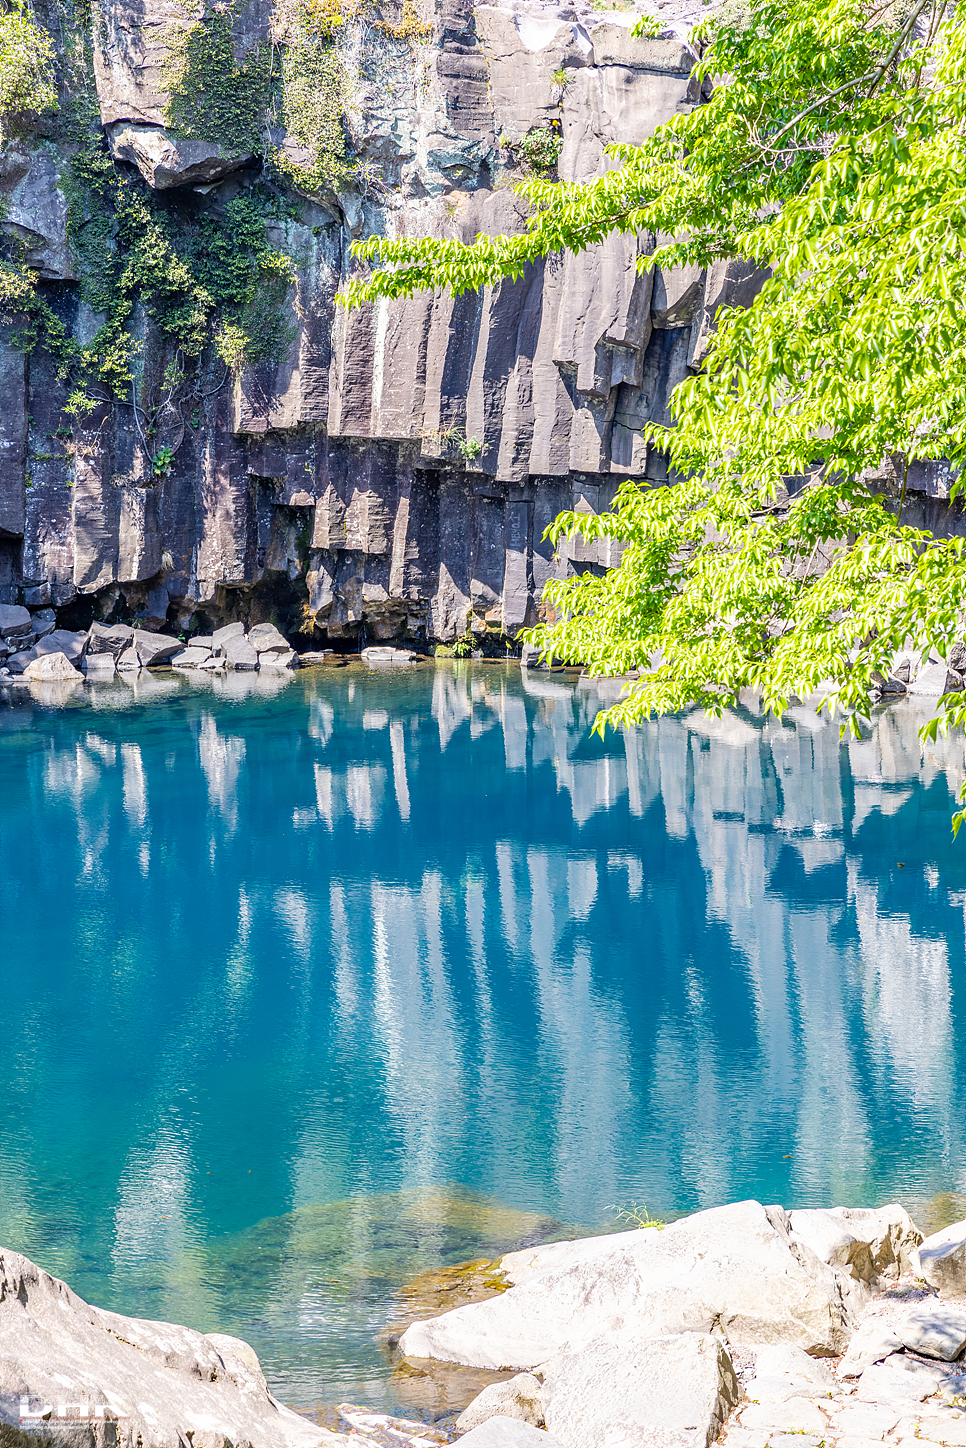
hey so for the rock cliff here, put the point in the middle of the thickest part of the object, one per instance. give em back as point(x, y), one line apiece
point(386, 472)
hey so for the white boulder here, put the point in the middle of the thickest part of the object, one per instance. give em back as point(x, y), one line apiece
point(934, 1329)
point(51, 668)
point(73, 1374)
point(872, 1245)
point(239, 653)
point(190, 658)
point(899, 1377)
point(941, 1260)
point(266, 639)
point(508, 1433)
point(785, 1372)
point(734, 1268)
point(873, 1340)
point(663, 1392)
point(518, 1397)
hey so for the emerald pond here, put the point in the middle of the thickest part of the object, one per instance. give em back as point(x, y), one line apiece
point(312, 984)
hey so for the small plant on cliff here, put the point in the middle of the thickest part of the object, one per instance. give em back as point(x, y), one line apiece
point(161, 462)
point(832, 157)
point(469, 447)
point(539, 149)
point(26, 67)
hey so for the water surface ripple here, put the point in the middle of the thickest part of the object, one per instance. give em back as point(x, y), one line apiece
point(311, 984)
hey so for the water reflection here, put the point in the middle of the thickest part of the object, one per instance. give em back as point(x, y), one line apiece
point(324, 945)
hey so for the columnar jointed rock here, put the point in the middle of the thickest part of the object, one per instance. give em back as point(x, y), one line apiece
point(71, 1373)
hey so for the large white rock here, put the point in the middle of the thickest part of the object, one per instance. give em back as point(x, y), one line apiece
point(508, 1433)
point(661, 1392)
point(873, 1340)
point(785, 1372)
point(73, 1374)
point(941, 1260)
point(871, 1245)
point(51, 668)
point(933, 1329)
point(735, 1268)
point(518, 1397)
point(899, 1377)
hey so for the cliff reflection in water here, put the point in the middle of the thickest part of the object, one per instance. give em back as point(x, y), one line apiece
point(310, 987)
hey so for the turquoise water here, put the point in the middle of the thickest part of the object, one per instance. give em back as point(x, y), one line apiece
point(313, 984)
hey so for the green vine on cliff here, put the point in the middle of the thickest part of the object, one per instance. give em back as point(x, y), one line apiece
point(213, 279)
point(212, 96)
point(315, 91)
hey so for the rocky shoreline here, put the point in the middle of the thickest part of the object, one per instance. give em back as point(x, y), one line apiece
point(745, 1323)
point(34, 649)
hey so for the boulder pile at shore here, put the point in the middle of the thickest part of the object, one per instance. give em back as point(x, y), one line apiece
point(103, 650)
point(749, 1324)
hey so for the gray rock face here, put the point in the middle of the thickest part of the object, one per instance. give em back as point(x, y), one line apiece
point(735, 1267)
point(519, 1397)
point(35, 213)
point(942, 1260)
point(14, 621)
point(165, 160)
point(110, 639)
point(239, 654)
point(70, 1374)
point(661, 1392)
point(339, 478)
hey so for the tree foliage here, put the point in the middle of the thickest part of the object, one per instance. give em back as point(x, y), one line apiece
point(832, 153)
point(26, 67)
